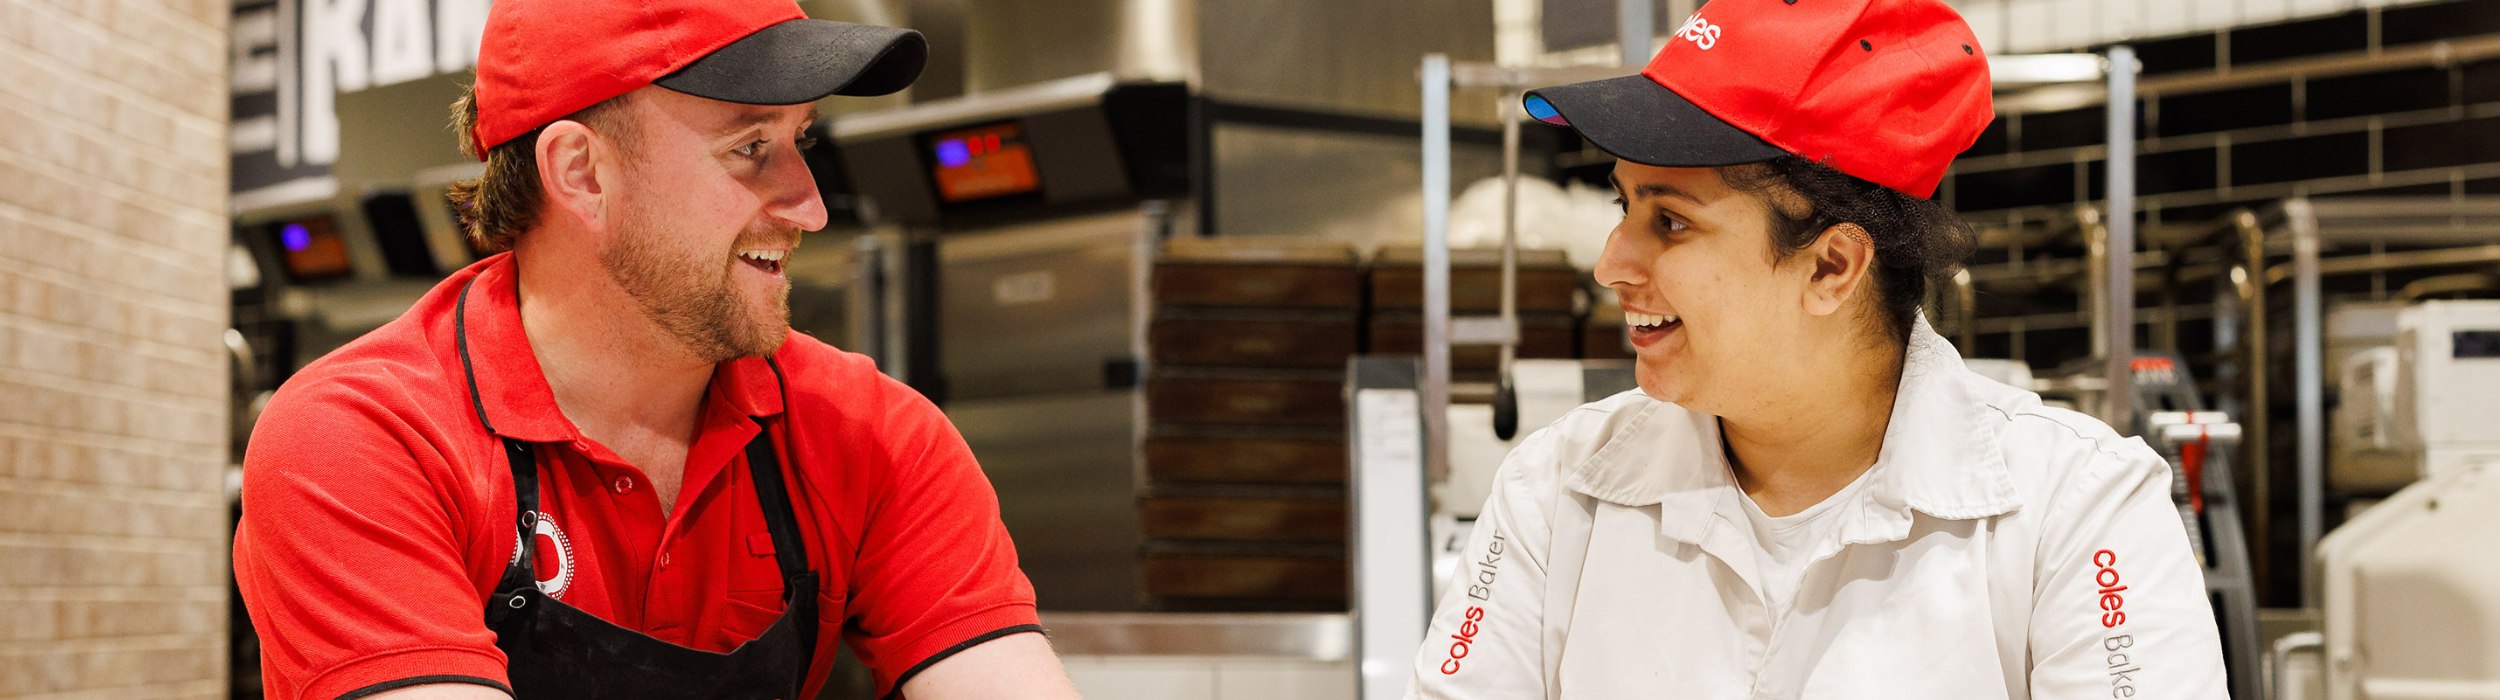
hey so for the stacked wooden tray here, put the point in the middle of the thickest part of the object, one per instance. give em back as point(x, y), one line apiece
point(1548, 296)
point(1603, 335)
point(1245, 459)
point(1245, 506)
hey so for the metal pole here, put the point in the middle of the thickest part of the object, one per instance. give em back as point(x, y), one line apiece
point(1436, 380)
point(1966, 298)
point(2096, 282)
point(2121, 244)
point(2258, 446)
point(1509, 109)
point(1633, 22)
point(2309, 378)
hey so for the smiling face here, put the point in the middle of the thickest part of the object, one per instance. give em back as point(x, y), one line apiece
point(1717, 314)
point(711, 200)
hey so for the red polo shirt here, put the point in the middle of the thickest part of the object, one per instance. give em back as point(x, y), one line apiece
point(378, 512)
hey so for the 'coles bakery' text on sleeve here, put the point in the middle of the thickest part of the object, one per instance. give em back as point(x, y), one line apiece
point(1486, 636)
point(1999, 549)
point(2121, 609)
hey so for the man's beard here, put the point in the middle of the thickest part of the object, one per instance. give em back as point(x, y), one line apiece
point(696, 304)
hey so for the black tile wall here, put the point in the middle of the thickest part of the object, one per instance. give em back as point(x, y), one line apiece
point(2482, 82)
point(2194, 52)
point(2053, 347)
point(2241, 108)
point(2179, 171)
point(1992, 345)
point(1991, 255)
point(2064, 129)
point(2377, 93)
point(2071, 128)
point(1992, 141)
point(2342, 33)
point(2425, 189)
point(2203, 212)
point(2304, 158)
point(2443, 144)
point(2447, 20)
point(2163, 173)
point(2020, 187)
point(2254, 120)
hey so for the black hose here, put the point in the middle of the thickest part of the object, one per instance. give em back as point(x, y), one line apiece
point(1505, 410)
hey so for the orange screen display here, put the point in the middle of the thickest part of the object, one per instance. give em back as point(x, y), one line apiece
point(983, 162)
point(313, 249)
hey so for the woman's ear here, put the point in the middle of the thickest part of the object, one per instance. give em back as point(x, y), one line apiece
point(1842, 259)
point(569, 160)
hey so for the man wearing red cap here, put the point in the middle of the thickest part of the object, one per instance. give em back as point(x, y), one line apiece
point(1809, 496)
point(602, 465)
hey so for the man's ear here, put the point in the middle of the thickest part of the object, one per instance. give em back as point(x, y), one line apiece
point(570, 160)
point(1843, 259)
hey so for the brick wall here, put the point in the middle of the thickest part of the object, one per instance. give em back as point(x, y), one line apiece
point(113, 232)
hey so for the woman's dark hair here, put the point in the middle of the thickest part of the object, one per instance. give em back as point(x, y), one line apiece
point(1918, 243)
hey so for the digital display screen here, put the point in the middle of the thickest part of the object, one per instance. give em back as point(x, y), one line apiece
point(312, 248)
point(983, 162)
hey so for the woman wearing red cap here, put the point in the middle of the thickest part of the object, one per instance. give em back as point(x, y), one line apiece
point(1810, 496)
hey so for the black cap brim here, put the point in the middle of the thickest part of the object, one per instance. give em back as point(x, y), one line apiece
point(1638, 120)
point(804, 60)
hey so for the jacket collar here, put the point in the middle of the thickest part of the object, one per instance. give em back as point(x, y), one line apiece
point(509, 390)
point(1941, 456)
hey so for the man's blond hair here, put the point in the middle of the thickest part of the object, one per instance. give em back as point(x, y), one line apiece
point(498, 205)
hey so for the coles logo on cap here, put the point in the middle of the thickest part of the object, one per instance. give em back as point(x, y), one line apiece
point(1886, 90)
point(1700, 31)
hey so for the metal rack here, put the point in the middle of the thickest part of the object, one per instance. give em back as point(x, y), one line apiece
point(2254, 263)
point(2346, 237)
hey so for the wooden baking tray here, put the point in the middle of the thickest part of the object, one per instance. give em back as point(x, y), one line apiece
point(1313, 399)
point(1602, 334)
point(1547, 283)
point(1305, 341)
point(1244, 518)
point(1541, 336)
point(1246, 460)
point(1258, 273)
point(1245, 577)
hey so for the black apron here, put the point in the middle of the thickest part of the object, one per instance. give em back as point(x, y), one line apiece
point(558, 651)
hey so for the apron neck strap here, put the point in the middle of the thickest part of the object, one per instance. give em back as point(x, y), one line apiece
point(772, 496)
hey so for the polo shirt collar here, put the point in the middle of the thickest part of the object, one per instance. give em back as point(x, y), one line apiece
point(510, 388)
point(1940, 457)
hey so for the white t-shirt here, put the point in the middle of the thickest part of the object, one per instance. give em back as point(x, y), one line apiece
point(1782, 546)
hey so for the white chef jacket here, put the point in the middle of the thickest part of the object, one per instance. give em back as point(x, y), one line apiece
point(2002, 549)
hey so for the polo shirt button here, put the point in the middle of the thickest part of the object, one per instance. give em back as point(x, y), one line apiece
point(624, 485)
point(664, 560)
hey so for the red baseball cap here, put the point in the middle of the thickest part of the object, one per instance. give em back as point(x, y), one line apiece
point(543, 59)
point(1884, 90)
